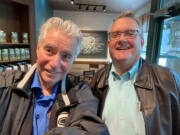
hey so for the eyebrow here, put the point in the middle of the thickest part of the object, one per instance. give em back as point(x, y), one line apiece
point(63, 52)
point(67, 52)
point(49, 45)
point(124, 30)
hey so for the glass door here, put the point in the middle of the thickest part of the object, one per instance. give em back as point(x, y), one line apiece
point(164, 34)
point(169, 54)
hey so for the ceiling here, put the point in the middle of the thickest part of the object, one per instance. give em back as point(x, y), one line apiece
point(112, 6)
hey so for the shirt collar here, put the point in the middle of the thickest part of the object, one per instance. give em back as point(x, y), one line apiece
point(134, 69)
point(36, 84)
point(130, 74)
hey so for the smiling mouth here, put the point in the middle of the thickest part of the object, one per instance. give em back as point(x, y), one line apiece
point(122, 48)
point(52, 72)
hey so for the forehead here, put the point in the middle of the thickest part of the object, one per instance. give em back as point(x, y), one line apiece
point(59, 40)
point(58, 37)
point(124, 23)
point(56, 34)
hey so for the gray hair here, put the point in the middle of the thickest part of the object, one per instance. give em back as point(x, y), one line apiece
point(131, 15)
point(66, 26)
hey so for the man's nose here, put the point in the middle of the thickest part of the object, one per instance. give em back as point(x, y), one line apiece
point(122, 36)
point(121, 40)
point(55, 61)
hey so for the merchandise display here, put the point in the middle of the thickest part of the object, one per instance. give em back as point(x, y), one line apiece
point(25, 37)
point(14, 37)
point(2, 36)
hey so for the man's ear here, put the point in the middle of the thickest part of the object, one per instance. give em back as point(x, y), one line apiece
point(37, 49)
point(108, 43)
point(142, 42)
point(37, 45)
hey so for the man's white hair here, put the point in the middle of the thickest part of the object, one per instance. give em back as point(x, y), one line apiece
point(66, 26)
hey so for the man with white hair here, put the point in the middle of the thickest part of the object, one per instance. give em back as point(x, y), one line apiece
point(43, 101)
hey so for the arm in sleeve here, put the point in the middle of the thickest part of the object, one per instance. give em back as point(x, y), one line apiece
point(83, 119)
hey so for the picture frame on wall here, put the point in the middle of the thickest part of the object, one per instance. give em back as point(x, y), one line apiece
point(94, 47)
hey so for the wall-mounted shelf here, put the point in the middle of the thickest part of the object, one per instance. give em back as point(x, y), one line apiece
point(13, 62)
point(14, 16)
point(14, 45)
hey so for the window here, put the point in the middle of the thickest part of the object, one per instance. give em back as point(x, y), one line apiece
point(169, 55)
point(164, 34)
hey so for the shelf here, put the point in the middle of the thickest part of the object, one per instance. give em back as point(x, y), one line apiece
point(90, 62)
point(14, 45)
point(15, 17)
point(15, 61)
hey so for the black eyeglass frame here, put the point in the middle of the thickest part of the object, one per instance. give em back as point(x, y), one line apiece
point(127, 34)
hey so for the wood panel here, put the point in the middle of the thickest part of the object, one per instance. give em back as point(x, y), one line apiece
point(14, 19)
point(15, 16)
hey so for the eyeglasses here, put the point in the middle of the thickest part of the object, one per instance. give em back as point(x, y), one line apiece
point(127, 34)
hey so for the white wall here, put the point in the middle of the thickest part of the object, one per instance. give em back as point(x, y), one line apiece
point(88, 20)
point(144, 9)
point(94, 20)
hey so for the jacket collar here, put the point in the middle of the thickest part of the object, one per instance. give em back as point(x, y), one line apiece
point(25, 84)
point(143, 80)
point(102, 79)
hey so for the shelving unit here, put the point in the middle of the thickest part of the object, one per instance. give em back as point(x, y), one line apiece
point(14, 45)
point(14, 17)
point(14, 62)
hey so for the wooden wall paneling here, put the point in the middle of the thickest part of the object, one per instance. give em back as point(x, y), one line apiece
point(32, 31)
point(23, 22)
point(18, 16)
point(24, 2)
point(13, 19)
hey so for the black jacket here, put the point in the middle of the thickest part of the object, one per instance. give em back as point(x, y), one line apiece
point(158, 90)
point(17, 104)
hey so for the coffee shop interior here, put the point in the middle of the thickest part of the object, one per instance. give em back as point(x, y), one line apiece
point(20, 22)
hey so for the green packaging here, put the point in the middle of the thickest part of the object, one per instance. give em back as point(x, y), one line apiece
point(17, 54)
point(5, 56)
point(25, 37)
point(14, 37)
point(22, 54)
point(11, 54)
point(2, 36)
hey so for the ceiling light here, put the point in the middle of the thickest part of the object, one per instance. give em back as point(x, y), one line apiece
point(94, 8)
point(80, 6)
point(72, 2)
point(87, 8)
point(104, 8)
